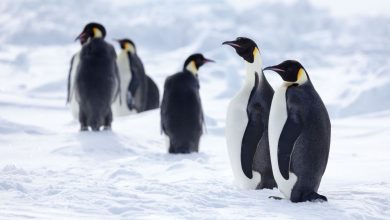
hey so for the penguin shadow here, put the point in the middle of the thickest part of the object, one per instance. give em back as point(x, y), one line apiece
point(103, 145)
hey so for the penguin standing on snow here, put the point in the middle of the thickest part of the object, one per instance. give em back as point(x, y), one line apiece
point(299, 134)
point(97, 80)
point(71, 97)
point(247, 122)
point(181, 107)
point(138, 90)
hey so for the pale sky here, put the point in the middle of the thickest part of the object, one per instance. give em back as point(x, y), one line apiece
point(337, 7)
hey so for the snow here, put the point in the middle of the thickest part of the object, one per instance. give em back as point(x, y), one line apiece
point(48, 170)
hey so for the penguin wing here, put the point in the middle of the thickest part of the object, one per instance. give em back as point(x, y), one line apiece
point(290, 133)
point(137, 71)
point(253, 132)
point(69, 80)
point(118, 90)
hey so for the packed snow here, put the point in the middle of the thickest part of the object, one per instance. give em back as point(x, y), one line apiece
point(49, 170)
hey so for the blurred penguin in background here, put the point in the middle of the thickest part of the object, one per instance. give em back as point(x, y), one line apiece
point(181, 108)
point(97, 79)
point(138, 91)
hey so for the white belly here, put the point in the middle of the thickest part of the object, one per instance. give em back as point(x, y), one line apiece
point(121, 109)
point(236, 122)
point(277, 119)
point(74, 105)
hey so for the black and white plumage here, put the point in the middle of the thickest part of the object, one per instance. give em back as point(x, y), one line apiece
point(247, 122)
point(299, 134)
point(138, 90)
point(97, 80)
point(181, 108)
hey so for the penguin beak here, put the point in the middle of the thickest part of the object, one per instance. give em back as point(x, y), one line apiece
point(232, 43)
point(81, 36)
point(275, 68)
point(208, 61)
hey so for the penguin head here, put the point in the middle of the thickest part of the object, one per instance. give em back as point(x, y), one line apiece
point(127, 45)
point(291, 71)
point(195, 61)
point(245, 48)
point(92, 30)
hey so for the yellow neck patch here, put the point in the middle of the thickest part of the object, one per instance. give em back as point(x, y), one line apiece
point(97, 33)
point(301, 77)
point(129, 47)
point(192, 68)
point(255, 52)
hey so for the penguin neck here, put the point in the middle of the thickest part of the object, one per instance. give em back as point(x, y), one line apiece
point(191, 67)
point(129, 48)
point(302, 78)
point(253, 68)
point(97, 33)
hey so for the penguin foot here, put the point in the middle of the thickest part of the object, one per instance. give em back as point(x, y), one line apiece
point(275, 197)
point(309, 196)
point(315, 197)
point(181, 150)
point(84, 128)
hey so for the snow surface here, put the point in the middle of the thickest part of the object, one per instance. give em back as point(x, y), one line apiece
point(48, 170)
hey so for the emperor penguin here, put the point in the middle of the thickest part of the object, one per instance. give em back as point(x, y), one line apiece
point(247, 122)
point(181, 108)
point(138, 90)
point(71, 97)
point(299, 134)
point(97, 79)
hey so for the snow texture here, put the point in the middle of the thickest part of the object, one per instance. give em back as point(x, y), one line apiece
point(49, 170)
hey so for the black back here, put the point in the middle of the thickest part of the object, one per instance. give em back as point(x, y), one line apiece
point(305, 139)
point(181, 112)
point(97, 83)
point(153, 97)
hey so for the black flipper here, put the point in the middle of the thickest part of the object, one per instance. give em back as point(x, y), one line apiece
point(138, 83)
point(69, 79)
point(290, 133)
point(253, 132)
point(137, 71)
point(118, 91)
point(252, 135)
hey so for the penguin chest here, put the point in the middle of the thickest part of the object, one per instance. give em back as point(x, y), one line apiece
point(277, 119)
point(125, 76)
point(74, 105)
point(124, 71)
point(236, 123)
